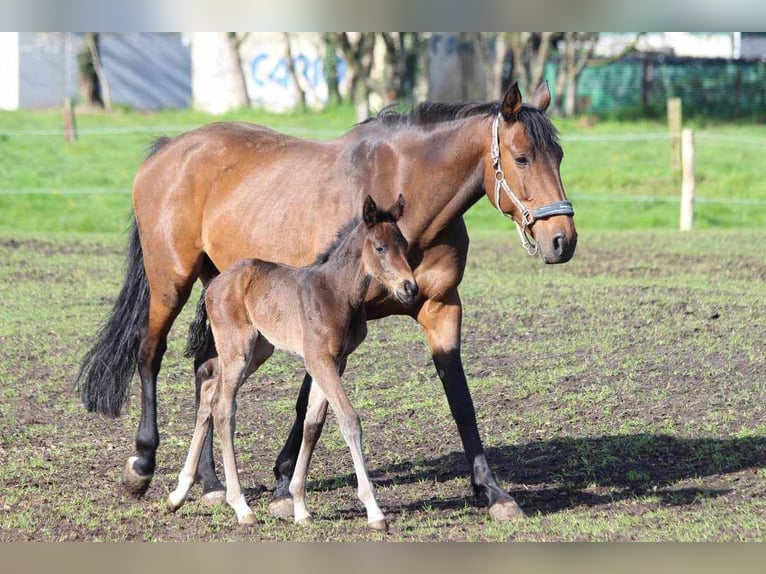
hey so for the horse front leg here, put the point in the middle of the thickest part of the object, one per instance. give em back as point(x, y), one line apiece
point(441, 320)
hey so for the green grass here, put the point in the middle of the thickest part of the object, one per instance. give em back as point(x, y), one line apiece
point(614, 184)
point(619, 396)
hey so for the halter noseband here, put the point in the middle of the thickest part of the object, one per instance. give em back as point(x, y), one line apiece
point(527, 217)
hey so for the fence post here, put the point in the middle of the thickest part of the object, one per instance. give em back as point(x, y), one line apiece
point(70, 126)
point(674, 126)
point(687, 185)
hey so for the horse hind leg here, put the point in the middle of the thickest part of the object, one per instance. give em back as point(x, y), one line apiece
point(163, 309)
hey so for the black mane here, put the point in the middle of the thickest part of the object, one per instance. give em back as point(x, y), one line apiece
point(542, 133)
point(339, 237)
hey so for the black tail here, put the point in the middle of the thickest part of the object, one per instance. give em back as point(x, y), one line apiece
point(107, 369)
point(200, 333)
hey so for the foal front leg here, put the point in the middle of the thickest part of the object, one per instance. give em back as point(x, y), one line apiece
point(326, 377)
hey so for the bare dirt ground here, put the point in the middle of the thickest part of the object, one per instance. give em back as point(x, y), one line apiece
point(620, 397)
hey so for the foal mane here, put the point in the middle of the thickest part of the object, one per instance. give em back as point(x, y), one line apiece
point(381, 216)
point(339, 237)
point(427, 115)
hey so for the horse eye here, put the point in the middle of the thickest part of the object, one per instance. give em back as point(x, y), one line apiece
point(522, 160)
point(381, 249)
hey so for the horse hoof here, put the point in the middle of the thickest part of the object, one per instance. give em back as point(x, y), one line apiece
point(379, 525)
point(504, 510)
point(305, 521)
point(214, 497)
point(281, 507)
point(134, 483)
point(247, 519)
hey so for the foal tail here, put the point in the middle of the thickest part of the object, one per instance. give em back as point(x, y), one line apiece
point(200, 334)
point(107, 369)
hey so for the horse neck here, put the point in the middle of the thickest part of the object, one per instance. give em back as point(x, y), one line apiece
point(344, 271)
point(447, 164)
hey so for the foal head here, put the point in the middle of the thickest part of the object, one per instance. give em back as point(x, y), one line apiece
point(528, 161)
point(385, 250)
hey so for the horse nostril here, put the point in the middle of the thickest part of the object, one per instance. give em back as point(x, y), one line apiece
point(559, 244)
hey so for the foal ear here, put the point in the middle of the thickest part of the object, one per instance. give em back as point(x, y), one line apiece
point(370, 212)
point(511, 103)
point(542, 96)
point(397, 209)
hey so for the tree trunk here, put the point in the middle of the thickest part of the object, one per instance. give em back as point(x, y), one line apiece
point(92, 40)
point(242, 98)
point(358, 54)
point(530, 54)
point(330, 67)
point(293, 74)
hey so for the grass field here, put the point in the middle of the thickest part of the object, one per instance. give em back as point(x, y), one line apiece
point(615, 183)
point(620, 396)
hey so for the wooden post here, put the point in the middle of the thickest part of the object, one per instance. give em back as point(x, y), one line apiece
point(687, 186)
point(674, 126)
point(70, 127)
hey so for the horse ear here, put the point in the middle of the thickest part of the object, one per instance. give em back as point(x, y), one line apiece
point(397, 209)
point(542, 96)
point(511, 103)
point(370, 211)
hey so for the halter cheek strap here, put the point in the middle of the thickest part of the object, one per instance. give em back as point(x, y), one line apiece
point(527, 217)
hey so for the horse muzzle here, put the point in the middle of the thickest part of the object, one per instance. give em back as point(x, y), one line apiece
point(560, 249)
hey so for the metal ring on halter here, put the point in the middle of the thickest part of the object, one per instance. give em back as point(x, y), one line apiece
point(563, 207)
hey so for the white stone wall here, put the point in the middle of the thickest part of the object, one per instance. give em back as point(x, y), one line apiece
point(9, 70)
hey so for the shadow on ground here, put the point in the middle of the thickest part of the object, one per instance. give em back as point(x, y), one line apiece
point(568, 472)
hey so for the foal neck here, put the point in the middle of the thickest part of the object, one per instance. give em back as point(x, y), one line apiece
point(344, 270)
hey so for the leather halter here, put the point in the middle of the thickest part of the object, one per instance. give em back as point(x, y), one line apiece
point(527, 217)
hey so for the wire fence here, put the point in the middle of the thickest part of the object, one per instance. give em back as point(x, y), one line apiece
point(605, 197)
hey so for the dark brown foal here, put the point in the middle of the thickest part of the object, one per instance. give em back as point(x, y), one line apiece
point(316, 312)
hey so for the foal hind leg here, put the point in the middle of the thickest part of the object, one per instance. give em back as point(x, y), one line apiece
point(213, 492)
point(207, 376)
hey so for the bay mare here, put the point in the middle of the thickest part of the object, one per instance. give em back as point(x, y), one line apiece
point(211, 196)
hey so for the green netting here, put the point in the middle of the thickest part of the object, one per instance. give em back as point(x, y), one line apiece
point(708, 87)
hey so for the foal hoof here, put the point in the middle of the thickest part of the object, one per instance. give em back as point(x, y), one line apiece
point(504, 510)
point(247, 519)
point(305, 521)
point(214, 497)
point(281, 507)
point(172, 506)
point(378, 525)
point(136, 484)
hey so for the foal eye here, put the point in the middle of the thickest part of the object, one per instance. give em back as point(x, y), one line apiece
point(380, 249)
point(522, 161)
